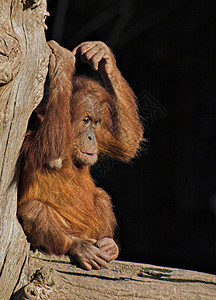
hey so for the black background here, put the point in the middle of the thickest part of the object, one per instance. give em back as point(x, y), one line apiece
point(165, 201)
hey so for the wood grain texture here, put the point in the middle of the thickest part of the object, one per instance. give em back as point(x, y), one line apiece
point(24, 57)
point(56, 278)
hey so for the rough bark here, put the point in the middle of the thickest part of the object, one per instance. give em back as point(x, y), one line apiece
point(54, 278)
point(24, 57)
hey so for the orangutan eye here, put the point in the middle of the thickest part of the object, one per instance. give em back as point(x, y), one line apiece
point(96, 123)
point(86, 121)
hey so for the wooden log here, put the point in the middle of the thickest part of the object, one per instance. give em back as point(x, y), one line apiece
point(56, 278)
point(24, 58)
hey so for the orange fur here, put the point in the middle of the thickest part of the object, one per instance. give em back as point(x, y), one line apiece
point(59, 208)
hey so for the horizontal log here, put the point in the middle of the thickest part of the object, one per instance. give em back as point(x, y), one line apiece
point(59, 278)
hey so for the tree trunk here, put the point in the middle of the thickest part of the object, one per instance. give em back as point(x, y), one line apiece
point(24, 57)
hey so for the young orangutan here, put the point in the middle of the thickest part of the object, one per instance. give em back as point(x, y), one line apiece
point(60, 208)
